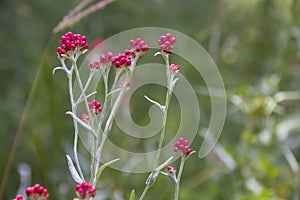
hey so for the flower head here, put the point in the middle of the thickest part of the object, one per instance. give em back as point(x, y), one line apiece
point(121, 60)
point(70, 43)
point(94, 65)
point(122, 84)
point(106, 59)
point(171, 169)
point(174, 68)
point(85, 117)
point(138, 45)
point(19, 197)
point(38, 191)
point(166, 43)
point(85, 190)
point(95, 106)
point(182, 145)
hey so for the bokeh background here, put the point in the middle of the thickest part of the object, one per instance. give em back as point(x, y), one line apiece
point(255, 44)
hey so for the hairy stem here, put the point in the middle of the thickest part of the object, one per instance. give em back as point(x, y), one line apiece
point(177, 185)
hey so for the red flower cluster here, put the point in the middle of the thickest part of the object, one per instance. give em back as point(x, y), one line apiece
point(71, 42)
point(19, 197)
point(85, 190)
point(85, 117)
point(174, 67)
point(122, 60)
point(171, 169)
point(94, 105)
point(94, 65)
point(139, 45)
point(106, 58)
point(166, 43)
point(39, 191)
point(182, 145)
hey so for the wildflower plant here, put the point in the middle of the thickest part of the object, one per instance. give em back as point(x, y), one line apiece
point(97, 117)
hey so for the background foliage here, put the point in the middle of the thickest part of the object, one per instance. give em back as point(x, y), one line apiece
point(255, 44)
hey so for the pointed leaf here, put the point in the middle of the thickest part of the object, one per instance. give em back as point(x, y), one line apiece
point(155, 103)
point(73, 170)
point(82, 123)
point(132, 195)
point(104, 166)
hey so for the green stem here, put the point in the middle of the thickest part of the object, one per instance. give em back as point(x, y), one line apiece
point(144, 192)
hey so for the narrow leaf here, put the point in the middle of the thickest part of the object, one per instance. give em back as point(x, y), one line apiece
point(81, 122)
point(155, 103)
point(104, 166)
point(115, 91)
point(73, 170)
point(132, 195)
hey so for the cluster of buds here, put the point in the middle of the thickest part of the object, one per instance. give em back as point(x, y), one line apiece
point(139, 45)
point(70, 43)
point(166, 43)
point(182, 145)
point(171, 170)
point(121, 60)
point(174, 68)
point(19, 197)
point(85, 117)
point(85, 190)
point(122, 84)
point(37, 192)
point(106, 59)
point(94, 65)
point(95, 106)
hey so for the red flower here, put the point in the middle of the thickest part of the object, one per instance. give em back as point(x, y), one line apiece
point(166, 43)
point(182, 145)
point(37, 190)
point(139, 45)
point(174, 67)
point(171, 169)
point(71, 42)
point(19, 197)
point(85, 190)
point(95, 106)
point(121, 60)
point(94, 65)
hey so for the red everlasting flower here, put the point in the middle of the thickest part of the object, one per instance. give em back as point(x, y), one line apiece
point(95, 106)
point(106, 59)
point(85, 190)
point(182, 145)
point(70, 43)
point(122, 84)
point(94, 65)
point(121, 60)
point(139, 45)
point(166, 43)
point(19, 197)
point(171, 169)
point(37, 190)
point(85, 117)
point(174, 67)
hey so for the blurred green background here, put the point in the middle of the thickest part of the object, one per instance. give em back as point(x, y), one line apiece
point(255, 44)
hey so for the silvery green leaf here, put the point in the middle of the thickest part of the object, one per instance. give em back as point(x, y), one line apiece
point(132, 195)
point(73, 170)
point(82, 123)
point(157, 53)
point(153, 176)
point(155, 103)
point(104, 166)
